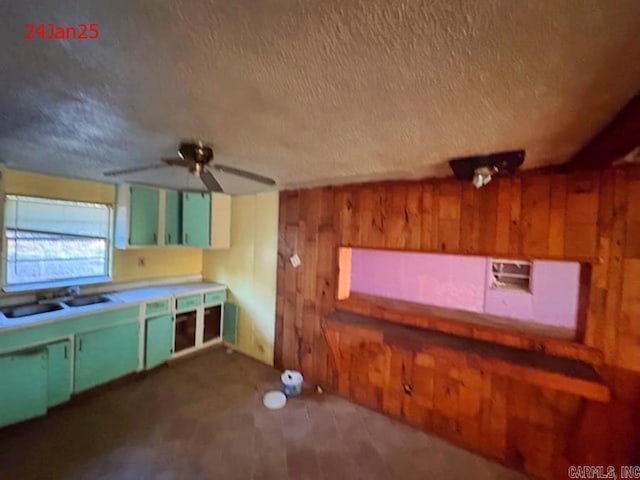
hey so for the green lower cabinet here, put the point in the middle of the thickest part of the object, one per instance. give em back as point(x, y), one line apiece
point(105, 354)
point(23, 386)
point(230, 324)
point(58, 373)
point(158, 341)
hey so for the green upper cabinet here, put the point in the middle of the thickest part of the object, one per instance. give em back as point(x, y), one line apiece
point(143, 218)
point(156, 217)
point(58, 373)
point(137, 221)
point(196, 219)
point(105, 354)
point(23, 386)
point(172, 218)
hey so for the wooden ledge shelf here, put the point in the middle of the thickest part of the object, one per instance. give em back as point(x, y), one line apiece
point(537, 368)
point(489, 328)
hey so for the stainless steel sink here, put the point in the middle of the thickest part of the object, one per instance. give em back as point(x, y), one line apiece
point(28, 310)
point(88, 300)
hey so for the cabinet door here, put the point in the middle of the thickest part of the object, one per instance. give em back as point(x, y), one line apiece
point(212, 323)
point(196, 219)
point(173, 212)
point(23, 386)
point(185, 333)
point(143, 216)
point(230, 324)
point(105, 354)
point(58, 373)
point(158, 341)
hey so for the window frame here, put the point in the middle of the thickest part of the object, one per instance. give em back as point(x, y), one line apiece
point(24, 287)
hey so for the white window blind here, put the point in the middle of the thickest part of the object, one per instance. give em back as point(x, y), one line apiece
point(54, 240)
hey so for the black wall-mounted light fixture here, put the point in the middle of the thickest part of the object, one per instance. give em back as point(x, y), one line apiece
point(480, 169)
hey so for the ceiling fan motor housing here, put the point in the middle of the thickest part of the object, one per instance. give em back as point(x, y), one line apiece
point(198, 152)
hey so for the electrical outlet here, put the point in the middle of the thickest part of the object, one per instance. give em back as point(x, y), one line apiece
point(295, 260)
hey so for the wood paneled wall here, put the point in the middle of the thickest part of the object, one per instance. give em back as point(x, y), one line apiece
point(591, 217)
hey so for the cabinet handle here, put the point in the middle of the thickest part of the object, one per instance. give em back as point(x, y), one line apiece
point(155, 237)
point(65, 352)
point(186, 238)
point(168, 237)
point(80, 345)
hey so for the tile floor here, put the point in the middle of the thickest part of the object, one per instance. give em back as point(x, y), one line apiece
point(202, 418)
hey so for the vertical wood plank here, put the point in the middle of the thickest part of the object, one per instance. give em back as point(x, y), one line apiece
point(557, 215)
point(632, 240)
point(280, 281)
point(515, 227)
point(503, 216)
point(327, 207)
point(413, 217)
point(344, 214)
point(435, 218)
point(596, 317)
point(582, 215)
point(487, 218)
point(394, 221)
point(535, 216)
point(469, 221)
point(366, 204)
point(426, 230)
point(614, 287)
point(449, 203)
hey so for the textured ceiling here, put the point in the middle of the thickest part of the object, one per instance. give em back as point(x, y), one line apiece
point(311, 92)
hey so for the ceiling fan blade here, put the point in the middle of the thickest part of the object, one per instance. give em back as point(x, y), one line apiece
point(124, 171)
point(243, 173)
point(178, 162)
point(209, 181)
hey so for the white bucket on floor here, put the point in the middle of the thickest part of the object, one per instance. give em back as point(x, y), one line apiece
point(291, 383)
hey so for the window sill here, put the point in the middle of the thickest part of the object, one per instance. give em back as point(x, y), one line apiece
point(26, 287)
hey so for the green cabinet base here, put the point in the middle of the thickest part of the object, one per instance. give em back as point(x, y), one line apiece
point(23, 386)
point(58, 373)
point(105, 354)
point(158, 340)
point(230, 324)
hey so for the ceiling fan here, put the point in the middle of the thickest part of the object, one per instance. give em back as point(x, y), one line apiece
point(197, 157)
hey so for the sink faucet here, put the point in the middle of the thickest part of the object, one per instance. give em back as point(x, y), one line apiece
point(61, 295)
point(72, 291)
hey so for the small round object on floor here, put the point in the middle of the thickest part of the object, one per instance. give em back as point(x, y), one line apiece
point(274, 400)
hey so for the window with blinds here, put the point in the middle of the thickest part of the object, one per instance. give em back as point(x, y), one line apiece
point(49, 241)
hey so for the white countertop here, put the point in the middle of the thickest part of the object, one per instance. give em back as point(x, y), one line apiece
point(138, 295)
point(117, 299)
